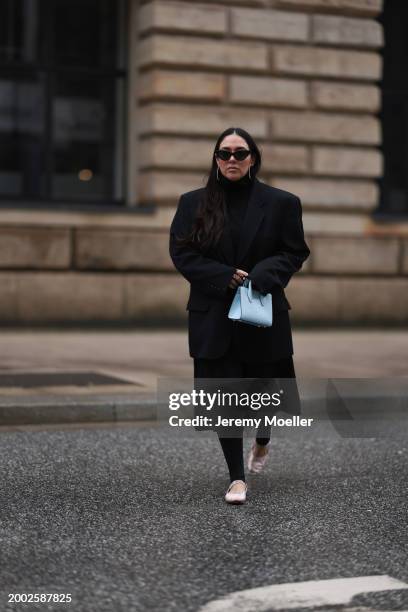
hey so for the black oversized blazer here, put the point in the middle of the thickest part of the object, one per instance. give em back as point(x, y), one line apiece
point(272, 248)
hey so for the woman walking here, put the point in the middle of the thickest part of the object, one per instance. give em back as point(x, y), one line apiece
point(234, 228)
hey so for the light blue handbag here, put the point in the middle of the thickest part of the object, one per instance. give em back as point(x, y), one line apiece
point(251, 306)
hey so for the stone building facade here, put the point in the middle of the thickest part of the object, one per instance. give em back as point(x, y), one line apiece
point(303, 77)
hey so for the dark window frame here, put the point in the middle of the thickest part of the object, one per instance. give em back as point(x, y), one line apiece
point(49, 71)
point(393, 93)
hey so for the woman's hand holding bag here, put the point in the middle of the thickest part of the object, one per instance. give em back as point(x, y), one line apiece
point(238, 278)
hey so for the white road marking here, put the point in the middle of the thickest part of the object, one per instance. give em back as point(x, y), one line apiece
point(302, 594)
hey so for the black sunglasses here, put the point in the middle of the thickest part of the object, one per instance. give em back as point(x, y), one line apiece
point(239, 155)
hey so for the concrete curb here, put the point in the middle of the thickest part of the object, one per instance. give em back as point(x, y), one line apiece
point(36, 410)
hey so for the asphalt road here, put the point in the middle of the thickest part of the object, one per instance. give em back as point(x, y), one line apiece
point(133, 518)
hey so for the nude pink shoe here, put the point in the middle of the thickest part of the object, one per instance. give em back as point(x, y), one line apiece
point(256, 463)
point(236, 498)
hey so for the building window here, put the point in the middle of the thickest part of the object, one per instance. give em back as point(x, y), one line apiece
point(394, 111)
point(62, 101)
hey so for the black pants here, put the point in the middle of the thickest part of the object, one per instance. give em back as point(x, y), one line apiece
point(228, 366)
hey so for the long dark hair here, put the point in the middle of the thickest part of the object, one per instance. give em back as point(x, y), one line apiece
point(209, 222)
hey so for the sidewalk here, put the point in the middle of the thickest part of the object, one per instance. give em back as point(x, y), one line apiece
point(137, 358)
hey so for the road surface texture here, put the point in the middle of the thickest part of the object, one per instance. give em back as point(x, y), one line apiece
point(132, 518)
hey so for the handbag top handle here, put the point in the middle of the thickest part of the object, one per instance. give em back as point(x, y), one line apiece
point(248, 284)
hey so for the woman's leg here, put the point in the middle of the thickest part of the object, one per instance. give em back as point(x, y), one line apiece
point(283, 368)
point(232, 447)
point(233, 453)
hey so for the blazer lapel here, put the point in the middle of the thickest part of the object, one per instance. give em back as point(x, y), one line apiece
point(253, 217)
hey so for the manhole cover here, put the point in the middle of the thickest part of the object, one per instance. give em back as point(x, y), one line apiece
point(53, 379)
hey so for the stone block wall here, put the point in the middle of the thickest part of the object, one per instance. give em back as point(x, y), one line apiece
point(95, 274)
point(303, 76)
point(86, 273)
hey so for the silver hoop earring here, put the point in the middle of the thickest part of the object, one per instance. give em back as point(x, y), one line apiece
point(249, 172)
point(218, 176)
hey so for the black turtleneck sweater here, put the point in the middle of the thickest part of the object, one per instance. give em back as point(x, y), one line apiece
point(236, 196)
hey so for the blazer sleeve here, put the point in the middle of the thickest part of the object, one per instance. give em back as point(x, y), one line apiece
point(278, 269)
point(209, 275)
